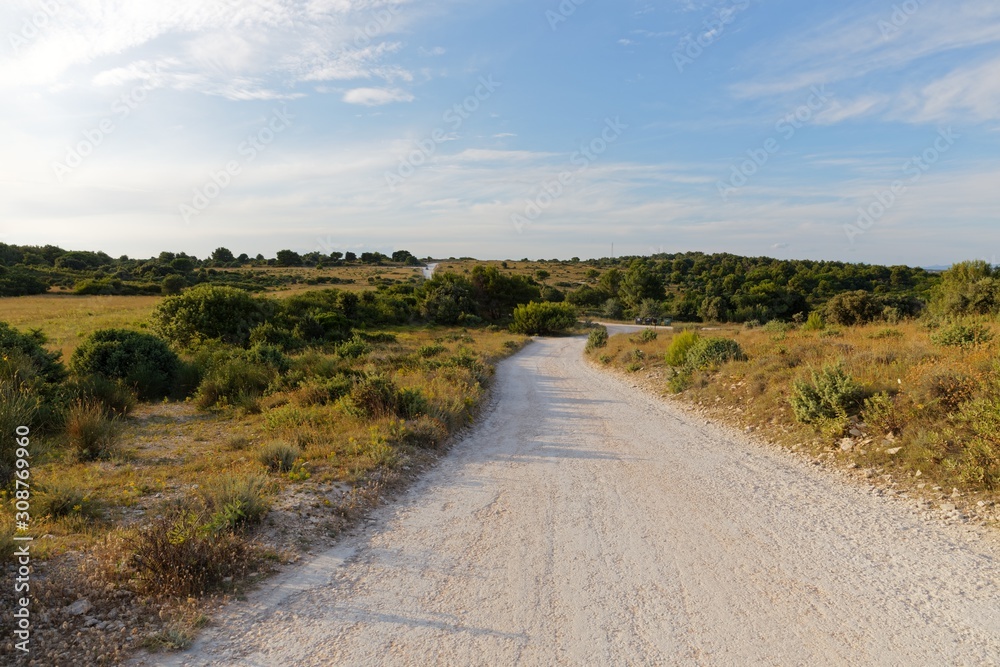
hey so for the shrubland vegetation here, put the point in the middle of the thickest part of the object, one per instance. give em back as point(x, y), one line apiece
point(913, 398)
point(161, 445)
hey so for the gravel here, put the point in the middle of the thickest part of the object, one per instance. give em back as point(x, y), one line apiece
point(586, 522)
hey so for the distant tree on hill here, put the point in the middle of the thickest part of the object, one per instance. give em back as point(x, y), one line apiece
point(288, 258)
point(223, 256)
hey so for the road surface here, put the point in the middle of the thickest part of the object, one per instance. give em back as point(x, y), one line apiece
point(584, 522)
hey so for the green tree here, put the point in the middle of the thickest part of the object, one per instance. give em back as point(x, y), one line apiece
point(288, 258)
point(497, 294)
point(222, 256)
point(640, 282)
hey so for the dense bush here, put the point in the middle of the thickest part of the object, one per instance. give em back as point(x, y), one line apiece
point(141, 360)
point(543, 318)
point(962, 335)
point(43, 363)
point(236, 500)
point(597, 338)
point(680, 345)
point(852, 308)
point(710, 352)
point(210, 312)
point(831, 394)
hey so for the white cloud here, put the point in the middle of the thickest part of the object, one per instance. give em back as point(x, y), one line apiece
point(376, 96)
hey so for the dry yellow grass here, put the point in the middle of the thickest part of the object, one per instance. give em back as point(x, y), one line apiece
point(929, 386)
point(66, 319)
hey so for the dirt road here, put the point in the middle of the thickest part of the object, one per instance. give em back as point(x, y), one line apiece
point(586, 523)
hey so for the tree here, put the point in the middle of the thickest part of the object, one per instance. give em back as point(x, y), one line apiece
point(173, 284)
point(610, 282)
point(448, 299)
point(401, 256)
point(497, 294)
point(288, 258)
point(542, 274)
point(640, 283)
point(222, 256)
point(968, 288)
point(182, 265)
point(350, 256)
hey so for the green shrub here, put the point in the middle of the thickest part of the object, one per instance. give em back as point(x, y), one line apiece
point(278, 456)
point(597, 338)
point(43, 363)
point(647, 336)
point(374, 396)
point(681, 344)
point(114, 396)
point(62, 500)
point(880, 414)
point(962, 335)
point(980, 460)
point(139, 359)
point(711, 352)
point(237, 500)
point(428, 351)
point(91, 433)
point(814, 322)
point(210, 312)
point(232, 376)
point(831, 394)
point(17, 408)
point(778, 326)
point(412, 403)
point(544, 318)
point(681, 379)
point(853, 308)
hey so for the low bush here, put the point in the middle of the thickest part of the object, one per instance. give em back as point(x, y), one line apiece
point(29, 345)
point(278, 456)
point(962, 335)
point(428, 351)
point(237, 500)
point(597, 338)
point(425, 431)
point(64, 500)
point(17, 408)
point(543, 318)
point(180, 554)
point(680, 345)
point(830, 394)
point(374, 396)
point(92, 434)
point(814, 322)
point(114, 397)
point(881, 415)
point(211, 312)
point(712, 352)
point(141, 360)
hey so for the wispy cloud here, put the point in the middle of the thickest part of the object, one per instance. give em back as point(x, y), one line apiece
point(371, 97)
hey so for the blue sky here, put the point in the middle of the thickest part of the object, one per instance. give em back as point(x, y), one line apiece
point(860, 131)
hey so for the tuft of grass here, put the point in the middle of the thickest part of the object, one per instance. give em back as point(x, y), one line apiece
point(91, 433)
point(237, 500)
point(597, 338)
point(65, 500)
point(278, 456)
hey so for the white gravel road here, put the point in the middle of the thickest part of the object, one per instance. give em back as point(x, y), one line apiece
point(584, 522)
